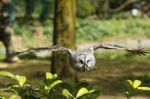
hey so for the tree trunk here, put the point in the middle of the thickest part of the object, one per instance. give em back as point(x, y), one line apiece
point(64, 35)
point(106, 8)
point(29, 8)
point(46, 5)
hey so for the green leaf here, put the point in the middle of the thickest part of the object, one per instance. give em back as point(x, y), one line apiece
point(21, 80)
point(91, 91)
point(67, 94)
point(136, 83)
point(14, 86)
point(55, 83)
point(54, 76)
point(13, 97)
point(129, 82)
point(7, 74)
point(46, 87)
point(144, 88)
point(129, 86)
point(49, 75)
point(13, 89)
point(83, 91)
point(1, 97)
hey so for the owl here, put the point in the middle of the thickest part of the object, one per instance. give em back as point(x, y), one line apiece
point(83, 60)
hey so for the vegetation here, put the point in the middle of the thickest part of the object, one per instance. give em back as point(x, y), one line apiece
point(104, 9)
point(51, 88)
point(114, 28)
point(97, 20)
point(132, 87)
point(99, 30)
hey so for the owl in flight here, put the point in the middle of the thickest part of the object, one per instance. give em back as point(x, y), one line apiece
point(83, 60)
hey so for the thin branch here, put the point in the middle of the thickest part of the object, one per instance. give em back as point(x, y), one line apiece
point(122, 6)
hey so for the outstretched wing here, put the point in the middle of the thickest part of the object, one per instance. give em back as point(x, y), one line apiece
point(118, 47)
point(52, 48)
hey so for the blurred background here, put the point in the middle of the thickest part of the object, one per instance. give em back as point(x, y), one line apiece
point(124, 22)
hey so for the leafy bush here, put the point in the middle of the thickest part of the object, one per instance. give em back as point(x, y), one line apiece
point(49, 88)
point(52, 88)
point(85, 8)
point(94, 30)
point(133, 86)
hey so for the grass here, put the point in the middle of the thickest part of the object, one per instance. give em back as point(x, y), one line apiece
point(91, 30)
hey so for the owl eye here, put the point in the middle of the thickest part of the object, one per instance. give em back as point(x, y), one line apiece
point(81, 61)
point(88, 60)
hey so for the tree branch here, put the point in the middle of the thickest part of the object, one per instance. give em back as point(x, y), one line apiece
point(123, 5)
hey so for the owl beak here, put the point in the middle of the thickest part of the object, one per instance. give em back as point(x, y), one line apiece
point(86, 67)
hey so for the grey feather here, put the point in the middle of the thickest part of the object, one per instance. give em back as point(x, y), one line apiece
point(83, 60)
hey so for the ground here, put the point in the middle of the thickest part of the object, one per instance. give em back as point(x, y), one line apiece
point(109, 74)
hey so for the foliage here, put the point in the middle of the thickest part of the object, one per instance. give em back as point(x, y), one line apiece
point(1, 97)
point(85, 8)
point(133, 86)
point(49, 88)
point(97, 30)
point(73, 89)
point(104, 29)
point(52, 88)
point(28, 31)
point(80, 93)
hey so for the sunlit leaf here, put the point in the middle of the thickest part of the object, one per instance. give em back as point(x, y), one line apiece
point(136, 83)
point(7, 74)
point(54, 76)
point(14, 86)
point(55, 83)
point(144, 88)
point(49, 75)
point(13, 97)
point(129, 86)
point(91, 91)
point(83, 91)
point(129, 82)
point(21, 80)
point(1, 97)
point(66, 93)
point(45, 87)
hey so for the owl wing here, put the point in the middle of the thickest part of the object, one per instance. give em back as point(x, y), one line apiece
point(52, 48)
point(118, 47)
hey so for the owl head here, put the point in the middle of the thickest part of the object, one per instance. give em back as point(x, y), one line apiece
point(83, 60)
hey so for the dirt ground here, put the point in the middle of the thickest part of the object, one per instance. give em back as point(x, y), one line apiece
point(108, 74)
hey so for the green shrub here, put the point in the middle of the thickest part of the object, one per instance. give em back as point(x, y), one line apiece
point(52, 88)
point(97, 30)
point(49, 88)
point(85, 8)
point(132, 87)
